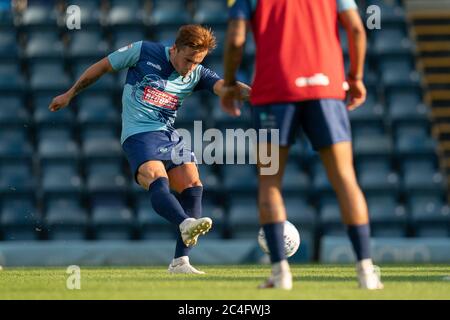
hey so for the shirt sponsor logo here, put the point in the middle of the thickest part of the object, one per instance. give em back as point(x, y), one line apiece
point(156, 66)
point(319, 79)
point(160, 98)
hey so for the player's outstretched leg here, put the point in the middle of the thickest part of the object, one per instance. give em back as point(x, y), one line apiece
point(185, 180)
point(191, 201)
point(338, 162)
point(166, 205)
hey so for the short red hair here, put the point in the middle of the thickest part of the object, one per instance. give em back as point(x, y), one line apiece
point(196, 37)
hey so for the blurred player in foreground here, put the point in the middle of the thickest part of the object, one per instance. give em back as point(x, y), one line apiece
point(300, 83)
point(158, 80)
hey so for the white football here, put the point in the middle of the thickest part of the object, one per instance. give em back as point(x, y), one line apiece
point(291, 239)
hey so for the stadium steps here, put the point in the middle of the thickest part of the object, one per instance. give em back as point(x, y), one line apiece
point(430, 28)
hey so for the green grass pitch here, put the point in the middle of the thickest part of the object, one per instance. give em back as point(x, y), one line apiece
point(223, 282)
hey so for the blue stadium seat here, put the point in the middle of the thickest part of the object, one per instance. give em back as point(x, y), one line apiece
point(372, 144)
point(61, 177)
point(6, 18)
point(66, 219)
point(87, 44)
point(430, 216)
point(9, 47)
point(43, 116)
point(43, 44)
point(101, 147)
point(392, 12)
point(414, 140)
point(11, 79)
point(105, 176)
point(220, 34)
point(39, 14)
point(224, 120)
point(370, 111)
point(243, 217)
point(300, 212)
point(13, 110)
point(191, 110)
point(210, 12)
point(14, 143)
point(387, 217)
point(123, 36)
point(169, 12)
point(406, 106)
point(295, 180)
point(398, 71)
point(19, 219)
point(58, 148)
point(377, 175)
point(97, 109)
point(330, 217)
point(113, 223)
point(320, 182)
point(239, 178)
point(390, 40)
point(165, 35)
point(220, 219)
point(49, 76)
point(100, 142)
point(90, 11)
point(151, 224)
point(421, 175)
point(16, 177)
point(125, 12)
point(208, 176)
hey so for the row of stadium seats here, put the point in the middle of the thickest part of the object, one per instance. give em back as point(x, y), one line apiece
point(155, 12)
point(397, 107)
point(111, 219)
point(96, 42)
point(102, 175)
point(64, 176)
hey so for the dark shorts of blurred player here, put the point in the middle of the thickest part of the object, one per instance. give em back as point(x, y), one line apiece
point(325, 121)
point(168, 147)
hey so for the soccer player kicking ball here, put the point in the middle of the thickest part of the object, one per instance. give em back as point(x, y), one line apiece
point(299, 82)
point(158, 80)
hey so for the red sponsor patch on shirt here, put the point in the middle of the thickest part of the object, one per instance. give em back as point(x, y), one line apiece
point(160, 98)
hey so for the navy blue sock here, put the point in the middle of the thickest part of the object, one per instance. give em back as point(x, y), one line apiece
point(275, 240)
point(360, 237)
point(191, 201)
point(165, 203)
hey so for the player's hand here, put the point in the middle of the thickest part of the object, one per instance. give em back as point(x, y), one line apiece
point(356, 94)
point(230, 100)
point(244, 91)
point(60, 102)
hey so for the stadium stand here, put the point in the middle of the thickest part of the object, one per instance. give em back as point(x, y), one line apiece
point(64, 175)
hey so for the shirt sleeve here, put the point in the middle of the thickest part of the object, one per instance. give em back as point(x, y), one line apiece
point(208, 79)
point(344, 5)
point(125, 57)
point(239, 9)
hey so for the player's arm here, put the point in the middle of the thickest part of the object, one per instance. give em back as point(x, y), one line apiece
point(120, 59)
point(234, 48)
point(357, 40)
point(92, 74)
point(242, 94)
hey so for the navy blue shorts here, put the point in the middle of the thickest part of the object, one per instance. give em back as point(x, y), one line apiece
point(325, 122)
point(167, 147)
